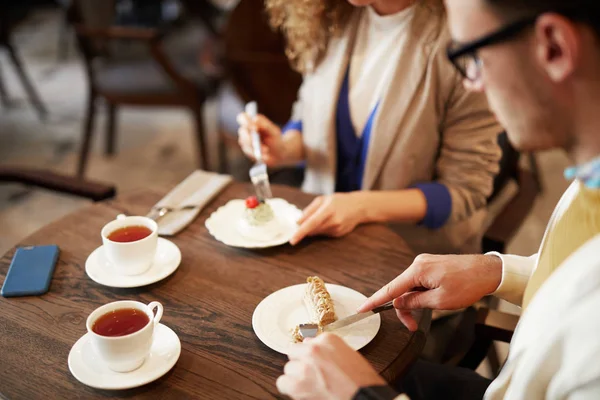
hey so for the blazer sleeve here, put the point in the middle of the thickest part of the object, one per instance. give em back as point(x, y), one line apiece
point(469, 154)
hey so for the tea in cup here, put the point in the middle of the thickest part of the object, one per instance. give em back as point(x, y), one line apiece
point(121, 333)
point(130, 244)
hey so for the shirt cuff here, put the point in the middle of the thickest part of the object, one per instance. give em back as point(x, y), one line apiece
point(439, 204)
point(516, 271)
point(292, 126)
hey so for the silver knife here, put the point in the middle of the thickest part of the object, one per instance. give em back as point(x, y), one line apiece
point(357, 317)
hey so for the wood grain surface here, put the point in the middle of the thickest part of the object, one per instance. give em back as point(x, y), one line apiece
point(208, 302)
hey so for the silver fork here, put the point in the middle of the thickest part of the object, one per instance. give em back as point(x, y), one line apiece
point(312, 330)
point(160, 212)
point(258, 173)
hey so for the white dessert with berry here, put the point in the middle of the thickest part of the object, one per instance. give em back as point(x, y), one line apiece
point(258, 212)
point(259, 222)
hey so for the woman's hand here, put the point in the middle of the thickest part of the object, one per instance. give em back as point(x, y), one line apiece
point(273, 146)
point(333, 215)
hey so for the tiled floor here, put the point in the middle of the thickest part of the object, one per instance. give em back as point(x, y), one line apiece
point(154, 148)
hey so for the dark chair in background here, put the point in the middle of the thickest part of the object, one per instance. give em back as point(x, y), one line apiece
point(156, 80)
point(57, 183)
point(11, 13)
point(256, 66)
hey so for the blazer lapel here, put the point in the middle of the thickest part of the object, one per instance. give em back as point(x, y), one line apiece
point(405, 81)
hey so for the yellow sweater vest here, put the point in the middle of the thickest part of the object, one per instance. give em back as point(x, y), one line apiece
point(570, 227)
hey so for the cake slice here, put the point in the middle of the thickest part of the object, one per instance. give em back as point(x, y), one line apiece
point(318, 303)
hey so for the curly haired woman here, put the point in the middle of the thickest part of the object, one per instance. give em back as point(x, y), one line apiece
point(385, 129)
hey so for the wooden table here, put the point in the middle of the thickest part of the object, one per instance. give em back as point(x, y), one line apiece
point(208, 302)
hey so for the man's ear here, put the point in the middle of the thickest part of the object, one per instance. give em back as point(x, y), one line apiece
point(558, 46)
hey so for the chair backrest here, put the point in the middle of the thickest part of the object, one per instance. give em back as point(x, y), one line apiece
point(256, 64)
point(507, 220)
point(92, 14)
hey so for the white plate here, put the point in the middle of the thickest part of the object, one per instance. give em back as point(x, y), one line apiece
point(88, 369)
point(224, 224)
point(166, 261)
point(280, 312)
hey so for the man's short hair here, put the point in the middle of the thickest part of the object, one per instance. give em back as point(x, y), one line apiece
point(585, 11)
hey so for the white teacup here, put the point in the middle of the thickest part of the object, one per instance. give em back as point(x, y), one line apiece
point(130, 258)
point(125, 353)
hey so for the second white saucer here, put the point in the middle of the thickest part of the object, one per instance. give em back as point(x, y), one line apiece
point(166, 261)
point(86, 366)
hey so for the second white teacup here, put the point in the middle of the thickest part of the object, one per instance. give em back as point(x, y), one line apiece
point(132, 257)
point(127, 352)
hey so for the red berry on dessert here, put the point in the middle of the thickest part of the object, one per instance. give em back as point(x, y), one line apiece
point(252, 202)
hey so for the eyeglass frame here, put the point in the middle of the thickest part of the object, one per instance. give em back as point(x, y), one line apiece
point(502, 34)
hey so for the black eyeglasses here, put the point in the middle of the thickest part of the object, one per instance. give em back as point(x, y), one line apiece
point(464, 56)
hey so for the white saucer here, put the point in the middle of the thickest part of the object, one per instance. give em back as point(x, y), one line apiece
point(224, 225)
point(88, 369)
point(166, 261)
point(276, 316)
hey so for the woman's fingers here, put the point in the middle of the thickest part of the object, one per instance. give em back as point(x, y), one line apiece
point(311, 226)
point(310, 210)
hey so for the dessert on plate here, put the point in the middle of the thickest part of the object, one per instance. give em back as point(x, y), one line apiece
point(319, 305)
point(258, 212)
point(258, 221)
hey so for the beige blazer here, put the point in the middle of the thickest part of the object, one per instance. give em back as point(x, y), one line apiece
point(428, 128)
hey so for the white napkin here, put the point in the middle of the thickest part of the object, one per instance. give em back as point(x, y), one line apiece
point(198, 189)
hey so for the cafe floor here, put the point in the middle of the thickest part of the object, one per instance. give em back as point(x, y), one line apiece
point(154, 147)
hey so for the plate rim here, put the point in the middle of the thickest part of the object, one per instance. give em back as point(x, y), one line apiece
point(134, 285)
point(255, 245)
point(254, 315)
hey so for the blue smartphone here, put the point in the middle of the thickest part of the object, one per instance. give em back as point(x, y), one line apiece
point(30, 271)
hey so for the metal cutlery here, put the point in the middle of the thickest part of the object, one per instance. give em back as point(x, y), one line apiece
point(258, 173)
point(159, 212)
point(312, 330)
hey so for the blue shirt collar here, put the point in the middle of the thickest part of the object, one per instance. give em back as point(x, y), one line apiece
point(588, 173)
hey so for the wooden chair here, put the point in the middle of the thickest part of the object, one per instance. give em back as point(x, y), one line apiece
point(58, 183)
point(10, 15)
point(156, 81)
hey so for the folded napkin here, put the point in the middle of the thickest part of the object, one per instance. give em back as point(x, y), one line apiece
point(198, 189)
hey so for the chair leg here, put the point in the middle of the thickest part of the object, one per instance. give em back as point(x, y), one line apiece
point(223, 161)
point(34, 98)
point(494, 360)
point(3, 92)
point(88, 131)
point(109, 150)
point(535, 170)
point(200, 137)
point(63, 38)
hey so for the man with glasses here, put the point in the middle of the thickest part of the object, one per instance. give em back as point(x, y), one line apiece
point(538, 62)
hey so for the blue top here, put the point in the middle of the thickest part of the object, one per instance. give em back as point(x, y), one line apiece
point(352, 156)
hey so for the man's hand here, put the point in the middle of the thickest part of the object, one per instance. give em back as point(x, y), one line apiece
point(334, 215)
point(326, 368)
point(439, 283)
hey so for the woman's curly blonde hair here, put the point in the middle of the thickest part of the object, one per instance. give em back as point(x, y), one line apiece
point(309, 24)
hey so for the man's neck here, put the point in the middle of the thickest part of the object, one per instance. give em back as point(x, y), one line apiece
point(586, 144)
point(389, 7)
